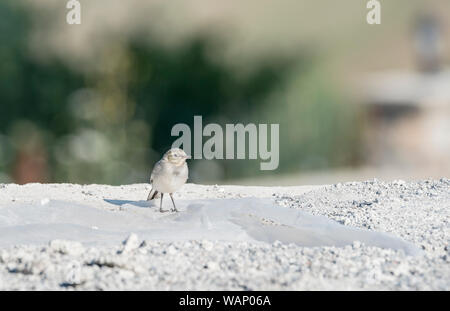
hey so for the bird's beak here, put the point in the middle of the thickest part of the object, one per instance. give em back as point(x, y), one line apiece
point(187, 157)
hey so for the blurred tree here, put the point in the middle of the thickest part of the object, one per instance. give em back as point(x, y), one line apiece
point(31, 90)
point(171, 87)
point(110, 124)
point(95, 122)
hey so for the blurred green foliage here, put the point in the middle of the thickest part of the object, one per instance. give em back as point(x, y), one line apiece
point(112, 124)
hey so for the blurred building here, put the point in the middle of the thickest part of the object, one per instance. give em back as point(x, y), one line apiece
point(409, 112)
point(409, 119)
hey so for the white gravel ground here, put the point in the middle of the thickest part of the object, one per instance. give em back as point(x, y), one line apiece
point(417, 212)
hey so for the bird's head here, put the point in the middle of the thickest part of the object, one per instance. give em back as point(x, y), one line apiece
point(176, 156)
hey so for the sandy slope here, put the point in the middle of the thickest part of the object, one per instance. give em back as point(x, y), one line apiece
point(227, 237)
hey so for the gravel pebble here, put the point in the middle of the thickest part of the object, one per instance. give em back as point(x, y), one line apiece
point(418, 212)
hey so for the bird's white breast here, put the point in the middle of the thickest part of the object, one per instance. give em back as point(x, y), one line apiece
point(171, 178)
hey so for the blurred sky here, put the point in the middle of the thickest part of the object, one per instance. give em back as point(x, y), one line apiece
point(250, 29)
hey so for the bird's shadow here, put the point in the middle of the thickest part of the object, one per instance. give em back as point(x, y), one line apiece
point(121, 203)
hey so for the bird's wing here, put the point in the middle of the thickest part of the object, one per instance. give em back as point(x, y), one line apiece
point(157, 170)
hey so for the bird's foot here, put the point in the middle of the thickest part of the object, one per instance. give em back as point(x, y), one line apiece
point(174, 210)
point(162, 211)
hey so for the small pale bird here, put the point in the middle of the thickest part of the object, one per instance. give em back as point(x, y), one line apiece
point(169, 175)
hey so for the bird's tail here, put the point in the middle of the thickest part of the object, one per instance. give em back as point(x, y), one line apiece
point(153, 195)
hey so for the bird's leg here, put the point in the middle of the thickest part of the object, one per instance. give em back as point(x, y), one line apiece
point(160, 205)
point(173, 202)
